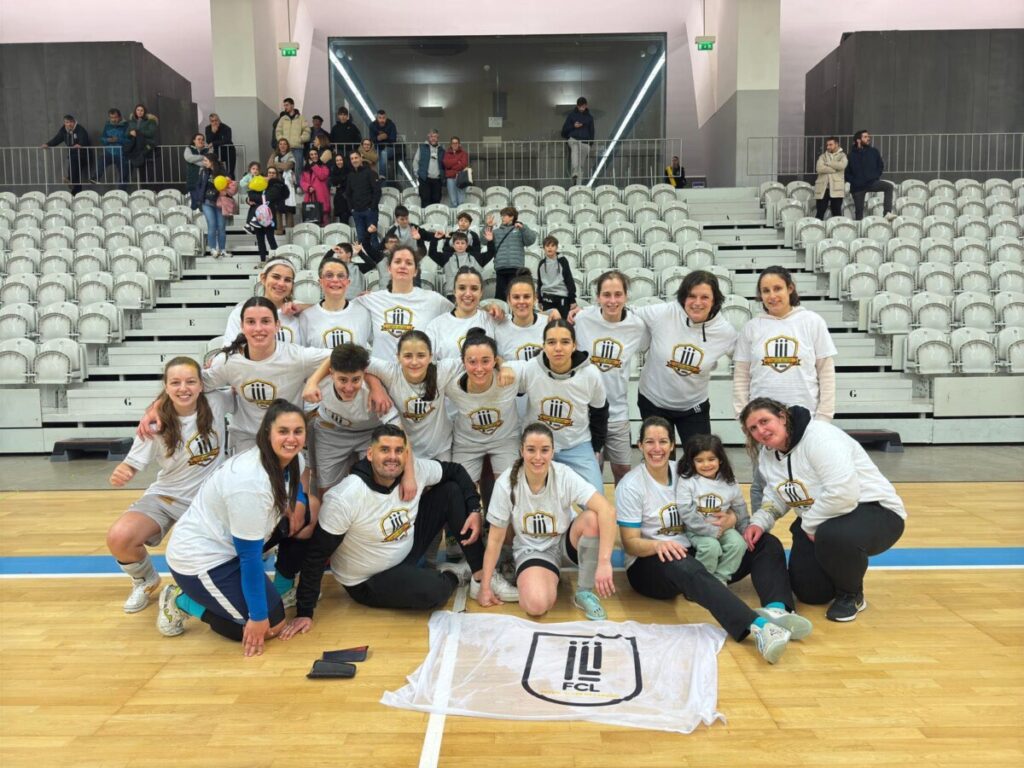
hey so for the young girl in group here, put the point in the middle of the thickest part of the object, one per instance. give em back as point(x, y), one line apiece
point(785, 354)
point(535, 496)
point(452, 253)
point(522, 337)
point(335, 320)
point(277, 278)
point(707, 487)
point(447, 332)
point(188, 448)
point(564, 391)
point(254, 170)
point(255, 189)
point(216, 551)
point(612, 335)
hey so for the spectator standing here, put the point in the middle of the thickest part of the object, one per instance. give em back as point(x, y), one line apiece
point(114, 139)
point(456, 159)
point(578, 130)
point(218, 136)
point(864, 172)
point(283, 160)
point(345, 134)
point(206, 196)
point(430, 171)
point(76, 139)
point(555, 285)
point(317, 129)
point(142, 140)
point(368, 153)
point(385, 134)
point(339, 175)
point(291, 125)
point(322, 144)
point(315, 185)
point(675, 174)
point(362, 191)
point(277, 196)
point(508, 245)
point(830, 186)
point(264, 232)
point(194, 154)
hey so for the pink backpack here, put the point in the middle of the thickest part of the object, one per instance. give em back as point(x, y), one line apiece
point(263, 215)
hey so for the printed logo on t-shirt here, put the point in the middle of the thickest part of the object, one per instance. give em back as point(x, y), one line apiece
point(686, 359)
point(395, 525)
point(781, 353)
point(555, 412)
point(332, 337)
point(709, 504)
point(794, 493)
point(286, 335)
point(606, 354)
point(417, 409)
point(527, 351)
point(335, 418)
point(485, 420)
point(397, 320)
point(539, 524)
point(671, 520)
point(202, 449)
point(259, 392)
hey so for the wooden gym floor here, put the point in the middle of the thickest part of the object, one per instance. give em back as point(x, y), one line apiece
point(932, 674)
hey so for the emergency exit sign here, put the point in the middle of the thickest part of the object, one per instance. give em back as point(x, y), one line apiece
point(288, 49)
point(706, 43)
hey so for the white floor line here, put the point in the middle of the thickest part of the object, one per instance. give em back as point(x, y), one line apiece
point(431, 752)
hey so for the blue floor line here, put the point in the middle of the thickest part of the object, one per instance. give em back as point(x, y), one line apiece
point(933, 557)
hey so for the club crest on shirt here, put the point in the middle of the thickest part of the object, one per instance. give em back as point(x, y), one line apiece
point(259, 392)
point(485, 420)
point(417, 409)
point(202, 449)
point(527, 351)
point(686, 359)
point(781, 353)
point(539, 524)
point(794, 493)
point(332, 337)
point(286, 335)
point(555, 412)
point(671, 520)
point(395, 525)
point(397, 320)
point(709, 503)
point(334, 419)
point(606, 354)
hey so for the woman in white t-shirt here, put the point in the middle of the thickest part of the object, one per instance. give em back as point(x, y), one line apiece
point(278, 279)
point(335, 320)
point(522, 336)
point(612, 335)
point(448, 331)
point(785, 354)
point(659, 565)
point(216, 550)
point(535, 496)
point(188, 448)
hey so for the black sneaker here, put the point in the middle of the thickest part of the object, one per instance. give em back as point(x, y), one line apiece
point(846, 607)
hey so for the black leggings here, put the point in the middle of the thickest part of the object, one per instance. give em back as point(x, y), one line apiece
point(408, 586)
point(696, 421)
point(766, 566)
point(837, 559)
point(834, 204)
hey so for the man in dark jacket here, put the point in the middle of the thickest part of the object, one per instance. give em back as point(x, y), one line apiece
point(864, 173)
point(76, 139)
point(384, 135)
point(114, 139)
point(429, 165)
point(218, 137)
point(578, 130)
point(362, 190)
point(345, 133)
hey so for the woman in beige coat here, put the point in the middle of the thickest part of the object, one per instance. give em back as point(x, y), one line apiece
point(830, 186)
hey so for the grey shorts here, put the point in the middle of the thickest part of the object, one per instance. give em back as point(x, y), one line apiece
point(551, 558)
point(502, 456)
point(617, 447)
point(165, 511)
point(335, 451)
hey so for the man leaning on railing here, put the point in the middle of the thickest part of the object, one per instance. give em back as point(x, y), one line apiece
point(76, 139)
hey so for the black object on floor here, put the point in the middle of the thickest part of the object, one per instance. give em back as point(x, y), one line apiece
point(331, 669)
point(115, 448)
point(885, 439)
point(347, 654)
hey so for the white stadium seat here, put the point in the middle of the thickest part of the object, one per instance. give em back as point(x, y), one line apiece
point(1010, 308)
point(890, 314)
point(936, 278)
point(896, 278)
point(858, 281)
point(100, 323)
point(929, 352)
point(973, 351)
point(95, 286)
point(1007, 276)
point(56, 287)
point(17, 359)
point(970, 276)
point(17, 321)
point(1010, 345)
point(698, 254)
point(60, 361)
point(57, 321)
point(974, 310)
point(19, 289)
point(670, 278)
point(736, 309)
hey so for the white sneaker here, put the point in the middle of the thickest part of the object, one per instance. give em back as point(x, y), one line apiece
point(771, 641)
point(225, 254)
point(288, 598)
point(142, 591)
point(798, 626)
point(461, 570)
point(500, 586)
point(170, 619)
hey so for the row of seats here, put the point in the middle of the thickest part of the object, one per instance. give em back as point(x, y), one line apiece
point(808, 230)
point(860, 280)
point(96, 322)
point(184, 238)
point(64, 218)
point(129, 290)
point(553, 194)
point(58, 361)
point(830, 255)
point(950, 209)
point(159, 262)
point(931, 352)
point(112, 199)
point(893, 313)
point(913, 188)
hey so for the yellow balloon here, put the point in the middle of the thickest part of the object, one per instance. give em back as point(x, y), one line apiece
point(258, 183)
point(221, 183)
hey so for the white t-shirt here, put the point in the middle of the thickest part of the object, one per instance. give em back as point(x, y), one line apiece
point(354, 415)
point(323, 328)
point(782, 353)
point(378, 527)
point(517, 343)
point(678, 367)
point(392, 314)
point(447, 332)
point(290, 333)
point(612, 347)
point(258, 384)
point(237, 501)
point(644, 503)
point(561, 401)
point(195, 458)
point(699, 498)
point(538, 520)
point(486, 419)
point(425, 421)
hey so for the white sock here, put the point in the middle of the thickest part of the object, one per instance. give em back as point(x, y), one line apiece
point(587, 549)
point(141, 570)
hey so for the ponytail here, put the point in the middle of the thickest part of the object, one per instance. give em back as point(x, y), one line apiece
point(239, 342)
point(536, 428)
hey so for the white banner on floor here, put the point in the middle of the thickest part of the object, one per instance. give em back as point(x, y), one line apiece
point(662, 677)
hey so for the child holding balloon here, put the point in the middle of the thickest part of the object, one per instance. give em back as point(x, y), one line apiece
point(260, 219)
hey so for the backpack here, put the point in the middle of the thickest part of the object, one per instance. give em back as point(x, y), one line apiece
point(263, 215)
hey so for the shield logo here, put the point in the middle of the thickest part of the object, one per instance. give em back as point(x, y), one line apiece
point(397, 321)
point(527, 352)
point(259, 392)
point(671, 520)
point(555, 412)
point(486, 420)
point(686, 359)
point(395, 525)
point(583, 670)
point(709, 503)
point(606, 354)
point(781, 353)
point(333, 337)
point(417, 409)
point(202, 449)
point(794, 493)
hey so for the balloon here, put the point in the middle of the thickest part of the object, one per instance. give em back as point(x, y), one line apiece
point(258, 183)
point(220, 183)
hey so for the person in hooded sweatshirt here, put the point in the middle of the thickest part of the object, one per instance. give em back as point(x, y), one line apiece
point(846, 511)
point(785, 354)
point(688, 336)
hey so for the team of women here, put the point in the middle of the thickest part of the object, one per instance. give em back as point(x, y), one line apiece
point(362, 426)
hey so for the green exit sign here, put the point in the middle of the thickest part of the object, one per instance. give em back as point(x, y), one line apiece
point(700, 47)
point(288, 49)
point(705, 43)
